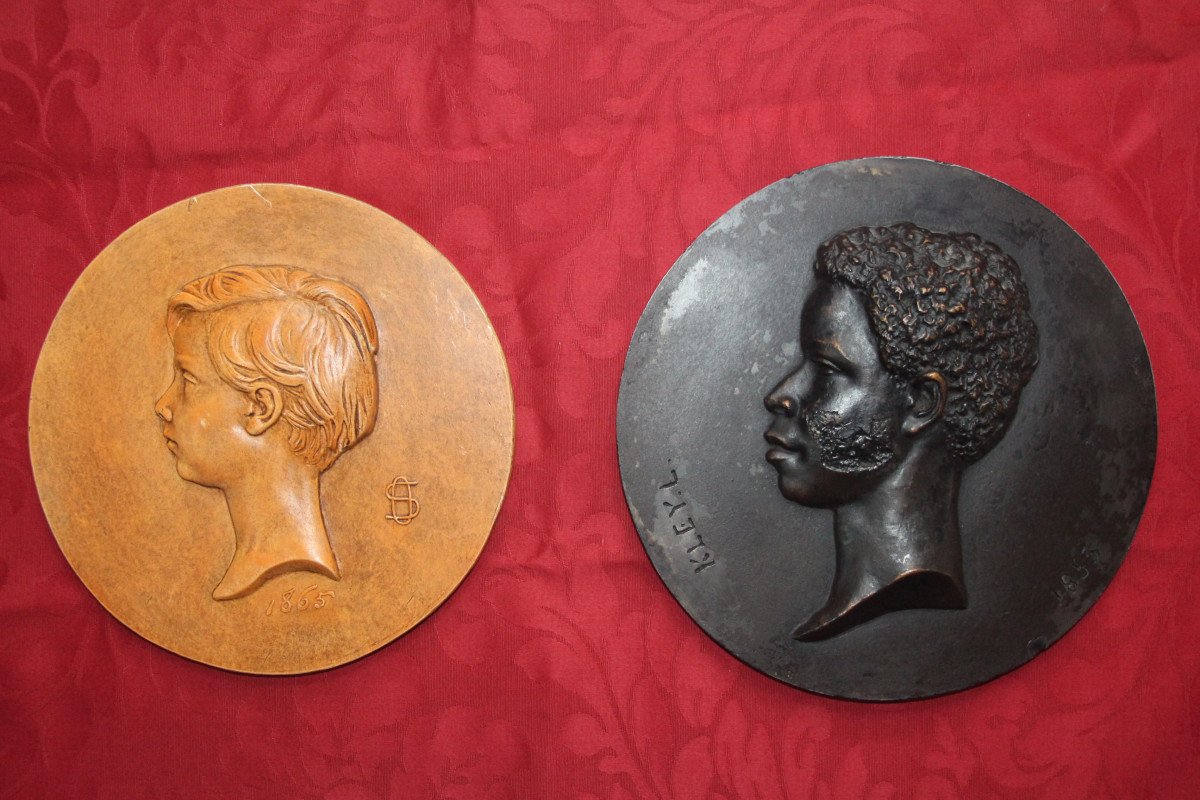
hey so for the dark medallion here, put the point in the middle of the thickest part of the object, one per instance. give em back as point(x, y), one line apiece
point(959, 426)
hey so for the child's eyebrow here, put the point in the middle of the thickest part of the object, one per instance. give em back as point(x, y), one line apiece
point(183, 363)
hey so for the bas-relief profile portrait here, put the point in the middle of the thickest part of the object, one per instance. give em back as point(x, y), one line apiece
point(274, 378)
point(915, 348)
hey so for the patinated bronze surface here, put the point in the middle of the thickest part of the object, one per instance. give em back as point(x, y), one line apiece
point(271, 428)
point(914, 348)
point(959, 422)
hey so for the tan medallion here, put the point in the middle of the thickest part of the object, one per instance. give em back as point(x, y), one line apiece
point(271, 428)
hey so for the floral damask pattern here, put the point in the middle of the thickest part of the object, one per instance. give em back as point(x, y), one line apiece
point(562, 155)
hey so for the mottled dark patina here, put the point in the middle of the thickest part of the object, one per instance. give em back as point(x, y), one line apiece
point(959, 417)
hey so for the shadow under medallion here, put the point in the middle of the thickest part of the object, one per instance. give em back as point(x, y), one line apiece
point(915, 346)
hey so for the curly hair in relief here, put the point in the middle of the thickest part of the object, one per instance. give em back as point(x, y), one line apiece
point(313, 337)
point(949, 302)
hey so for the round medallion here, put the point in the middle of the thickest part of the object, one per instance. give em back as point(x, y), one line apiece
point(271, 428)
point(886, 429)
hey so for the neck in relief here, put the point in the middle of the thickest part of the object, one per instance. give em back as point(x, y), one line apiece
point(278, 527)
point(897, 548)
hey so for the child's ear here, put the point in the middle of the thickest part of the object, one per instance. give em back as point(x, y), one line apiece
point(265, 407)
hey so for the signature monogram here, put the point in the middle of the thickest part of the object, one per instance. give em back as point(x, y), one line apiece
point(404, 506)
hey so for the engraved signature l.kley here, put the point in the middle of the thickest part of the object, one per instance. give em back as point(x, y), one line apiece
point(310, 599)
point(699, 553)
point(404, 506)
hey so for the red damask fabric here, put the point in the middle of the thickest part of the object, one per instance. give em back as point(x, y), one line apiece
point(562, 154)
